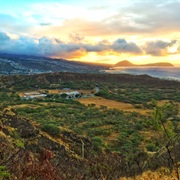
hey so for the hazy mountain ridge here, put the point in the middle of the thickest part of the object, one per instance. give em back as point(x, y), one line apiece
point(25, 64)
point(128, 63)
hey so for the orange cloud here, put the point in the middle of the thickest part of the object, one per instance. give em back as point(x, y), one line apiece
point(76, 54)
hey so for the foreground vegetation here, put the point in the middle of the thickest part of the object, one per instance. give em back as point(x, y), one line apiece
point(97, 142)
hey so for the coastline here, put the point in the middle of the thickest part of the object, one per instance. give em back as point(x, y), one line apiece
point(169, 73)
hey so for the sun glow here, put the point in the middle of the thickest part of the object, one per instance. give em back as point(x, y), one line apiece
point(173, 49)
point(92, 32)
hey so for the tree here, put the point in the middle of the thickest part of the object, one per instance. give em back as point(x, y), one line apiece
point(3, 172)
point(162, 117)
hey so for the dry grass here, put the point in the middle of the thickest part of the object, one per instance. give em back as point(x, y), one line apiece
point(25, 105)
point(161, 174)
point(56, 91)
point(162, 102)
point(98, 101)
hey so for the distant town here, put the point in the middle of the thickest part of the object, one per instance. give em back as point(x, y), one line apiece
point(24, 64)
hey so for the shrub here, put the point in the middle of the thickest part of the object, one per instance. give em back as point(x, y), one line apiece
point(97, 143)
point(3, 172)
point(51, 129)
point(151, 147)
point(139, 126)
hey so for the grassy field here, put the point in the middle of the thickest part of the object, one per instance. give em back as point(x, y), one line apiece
point(99, 101)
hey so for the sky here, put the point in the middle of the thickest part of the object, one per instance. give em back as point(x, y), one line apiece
point(101, 31)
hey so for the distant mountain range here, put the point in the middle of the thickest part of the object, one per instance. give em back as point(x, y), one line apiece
point(25, 64)
point(128, 63)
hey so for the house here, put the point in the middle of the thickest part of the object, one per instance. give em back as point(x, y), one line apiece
point(33, 95)
point(71, 95)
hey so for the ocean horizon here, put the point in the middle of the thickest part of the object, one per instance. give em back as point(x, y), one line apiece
point(170, 73)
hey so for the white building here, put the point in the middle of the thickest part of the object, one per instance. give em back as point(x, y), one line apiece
point(33, 95)
point(71, 95)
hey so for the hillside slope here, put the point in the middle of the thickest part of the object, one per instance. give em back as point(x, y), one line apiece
point(53, 137)
point(22, 139)
point(28, 152)
point(55, 78)
point(24, 64)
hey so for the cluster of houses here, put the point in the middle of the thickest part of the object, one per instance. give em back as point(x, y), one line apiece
point(67, 94)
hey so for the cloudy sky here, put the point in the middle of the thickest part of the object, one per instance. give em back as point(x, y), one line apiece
point(104, 31)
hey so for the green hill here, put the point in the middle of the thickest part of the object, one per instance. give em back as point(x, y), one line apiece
point(56, 138)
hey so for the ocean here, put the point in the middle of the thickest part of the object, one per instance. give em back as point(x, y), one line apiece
point(171, 73)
